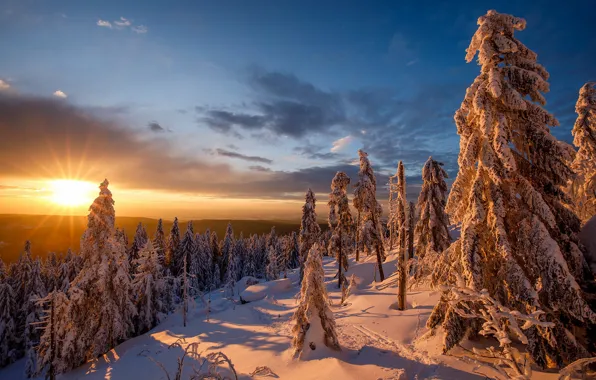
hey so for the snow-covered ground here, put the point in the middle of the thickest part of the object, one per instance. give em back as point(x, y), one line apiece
point(378, 342)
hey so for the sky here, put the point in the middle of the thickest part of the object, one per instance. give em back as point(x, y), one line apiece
point(232, 109)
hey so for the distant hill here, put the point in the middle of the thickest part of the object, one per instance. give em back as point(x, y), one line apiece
point(57, 233)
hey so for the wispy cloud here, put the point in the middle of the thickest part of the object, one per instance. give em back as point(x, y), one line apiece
point(228, 153)
point(4, 85)
point(60, 94)
point(103, 23)
point(140, 29)
point(341, 143)
point(154, 126)
point(123, 22)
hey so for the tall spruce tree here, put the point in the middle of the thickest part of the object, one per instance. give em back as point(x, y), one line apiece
point(517, 241)
point(8, 326)
point(101, 308)
point(149, 289)
point(365, 201)
point(226, 248)
point(309, 228)
point(432, 229)
point(341, 224)
point(139, 241)
point(34, 316)
point(159, 243)
point(584, 164)
point(172, 245)
point(314, 325)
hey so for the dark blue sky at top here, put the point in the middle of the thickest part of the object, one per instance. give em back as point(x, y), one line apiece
point(283, 80)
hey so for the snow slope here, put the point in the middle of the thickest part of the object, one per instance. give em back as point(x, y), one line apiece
point(378, 342)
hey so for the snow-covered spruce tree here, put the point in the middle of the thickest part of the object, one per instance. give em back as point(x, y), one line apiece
point(432, 229)
point(101, 307)
point(314, 325)
point(234, 272)
point(149, 289)
point(139, 241)
point(159, 243)
point(8, 328)
point(341, 224)
point(50, 272)
point(294, 256)
point(34, 316)
point(172, 244)
point(273, 263)
point(206, 261)
point(584, 164)
point(68, 270)
point(20, 274)
point(250, 263)
point(226, 248)
point(309, 228)
point(365, 201)
point(216, 257)
point(185, 249)
point(54, 329)
point(517, 239)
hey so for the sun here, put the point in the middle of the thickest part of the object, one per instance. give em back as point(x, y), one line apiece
point(68, 192)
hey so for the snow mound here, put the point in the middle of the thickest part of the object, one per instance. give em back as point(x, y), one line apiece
point(245, 282)
point(260, 291)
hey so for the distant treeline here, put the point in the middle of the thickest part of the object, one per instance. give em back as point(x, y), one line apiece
point(57, 233)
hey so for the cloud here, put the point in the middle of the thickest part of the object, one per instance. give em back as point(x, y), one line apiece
point(61, 139)
point(259, 168)
point(391, 124)
point(139, 29)
point(4, 85)
point(315, 152)
point(65, 140)
point(60, 94)
point(105, 24)
point(155, 127)
point(227, 153)
point(341, 143)
point(122, 22)
point(284, 106)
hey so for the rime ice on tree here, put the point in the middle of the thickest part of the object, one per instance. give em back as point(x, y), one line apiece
point(309, 228)
point(370, 210)
point(314, 327)
point(584, 164)
point(340, 223)
point(432, 229)
point(517, 239)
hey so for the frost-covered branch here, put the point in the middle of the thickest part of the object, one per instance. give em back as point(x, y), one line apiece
point(500, 322)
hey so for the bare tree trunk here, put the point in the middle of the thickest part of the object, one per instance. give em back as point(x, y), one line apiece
point(184, 294)
point(389, 223)
point(358, 237)
point(379, 247)
point(340, 261)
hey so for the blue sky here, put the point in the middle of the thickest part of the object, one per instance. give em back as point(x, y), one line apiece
point(261, 90)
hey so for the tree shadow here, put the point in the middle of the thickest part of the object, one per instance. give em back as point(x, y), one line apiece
point(370, 355)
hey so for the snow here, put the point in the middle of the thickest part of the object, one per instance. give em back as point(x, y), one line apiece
point(377, 341)
point(260, 291)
